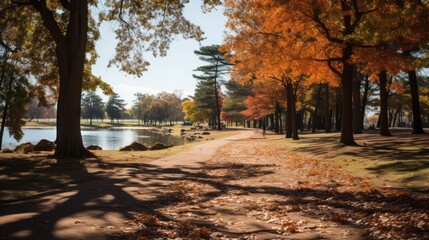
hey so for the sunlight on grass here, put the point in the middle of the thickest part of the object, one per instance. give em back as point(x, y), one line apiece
point(398, 161)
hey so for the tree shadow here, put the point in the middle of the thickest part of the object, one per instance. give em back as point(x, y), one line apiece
point(121, 189)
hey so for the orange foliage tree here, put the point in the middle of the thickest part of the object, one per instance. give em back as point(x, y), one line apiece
point(284, 40)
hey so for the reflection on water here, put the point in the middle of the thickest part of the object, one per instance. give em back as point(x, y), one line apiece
point(108, 139)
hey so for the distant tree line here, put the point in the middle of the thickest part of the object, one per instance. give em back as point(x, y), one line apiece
point(163, 108)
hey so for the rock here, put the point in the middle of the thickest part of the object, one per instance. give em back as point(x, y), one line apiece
point(182, 130)
point(7, 150)
point(135, 146)
point(183, 133)
point(205, 133)
point(44, 145)
point(200, 137)
point(94, 147)
point(191, 138)
point(25, 147)
point(159, 146)
point(165, 131)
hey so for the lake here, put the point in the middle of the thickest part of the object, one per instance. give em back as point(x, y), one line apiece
point(108, 139)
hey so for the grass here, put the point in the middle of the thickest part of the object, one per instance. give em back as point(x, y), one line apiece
point(400, 161)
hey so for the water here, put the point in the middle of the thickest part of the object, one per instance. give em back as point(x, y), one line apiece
point(108, 139)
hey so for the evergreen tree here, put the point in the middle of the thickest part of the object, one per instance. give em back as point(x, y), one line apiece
point(114, 107)
point(234, 103)
point(92, 106)
point(211, 76)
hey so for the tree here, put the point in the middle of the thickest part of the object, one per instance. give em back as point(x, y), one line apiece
point(69, 32)
point(192, 112)
point(92, 106)
point(15, 94)
point(337, 34)
point(141, 106)
point(114, 108)
point(218, 66)
point(234, 102)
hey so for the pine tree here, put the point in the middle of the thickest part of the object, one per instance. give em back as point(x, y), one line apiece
point(211, 76)
point(92, 106)
point(114, 107)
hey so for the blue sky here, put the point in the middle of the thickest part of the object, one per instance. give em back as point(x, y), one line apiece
point(170, 73)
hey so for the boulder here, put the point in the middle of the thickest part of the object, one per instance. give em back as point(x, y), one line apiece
point(94, 147)
point(182, 130)
point(191, 138)
point(7, 150)
point(159, 146)
point(135, 146)
point(44, 145)
point(25, 147)
point(205, 133)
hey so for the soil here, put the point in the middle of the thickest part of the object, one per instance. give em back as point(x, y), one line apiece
point(239, 187)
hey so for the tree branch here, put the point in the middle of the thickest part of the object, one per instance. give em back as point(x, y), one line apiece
point(322, 25)
point(333, 69)
point(49, 21)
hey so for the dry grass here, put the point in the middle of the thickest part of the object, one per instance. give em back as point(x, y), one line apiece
point(400, 161)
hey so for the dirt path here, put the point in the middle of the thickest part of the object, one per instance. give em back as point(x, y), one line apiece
point(240, 187)
point(101, 205)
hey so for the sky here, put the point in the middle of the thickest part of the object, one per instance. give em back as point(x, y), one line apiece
point(170, 73)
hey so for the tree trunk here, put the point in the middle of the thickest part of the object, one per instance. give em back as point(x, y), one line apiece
point(357, 125)
point(71, 52)
point(327, 115)
point(272, 124)
point(384, 124)
point(347, 103)
point(293, 112)
point(396, 116)
point(219, 127)
point(417, 119)
point(316, 109)
point(364, 100)
point(289, 114)
point(338, 110)
point(278, 115)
